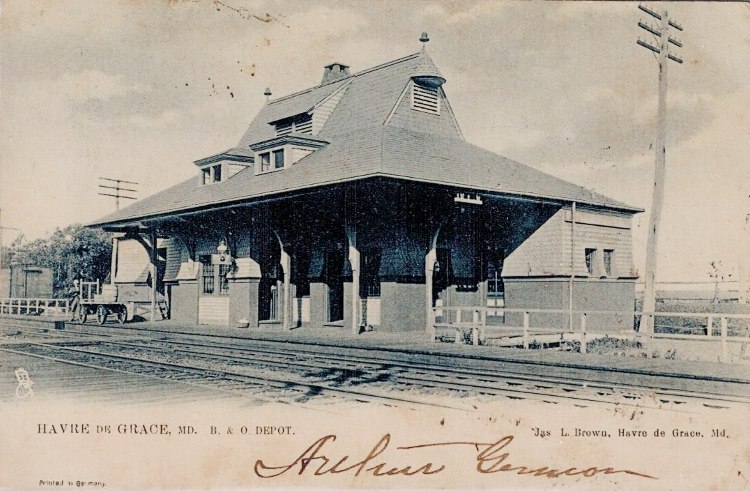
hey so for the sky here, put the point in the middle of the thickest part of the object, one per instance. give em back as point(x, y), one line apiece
point(138, 90)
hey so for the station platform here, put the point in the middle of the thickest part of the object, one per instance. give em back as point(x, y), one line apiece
point(416, 343)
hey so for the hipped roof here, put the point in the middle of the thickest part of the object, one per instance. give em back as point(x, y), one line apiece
point(362, 145)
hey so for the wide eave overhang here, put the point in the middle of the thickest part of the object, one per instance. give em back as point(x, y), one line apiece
point(148, 221)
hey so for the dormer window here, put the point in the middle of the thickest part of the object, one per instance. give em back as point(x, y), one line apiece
point(265, 162)
point(211, 174)
point(283, 152)
point(425, 98)
point(278, 159)
point(277, 156)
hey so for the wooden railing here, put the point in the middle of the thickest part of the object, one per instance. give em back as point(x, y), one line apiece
point(33, 306)
point(470, 324)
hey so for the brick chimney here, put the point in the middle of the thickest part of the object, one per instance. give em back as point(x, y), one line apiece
point(333, 72)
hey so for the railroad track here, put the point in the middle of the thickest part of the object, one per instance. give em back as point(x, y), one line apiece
point(364, 375)
point(496, 382)
point(238, 383)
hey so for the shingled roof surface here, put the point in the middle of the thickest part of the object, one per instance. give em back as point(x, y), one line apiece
point(362, 145)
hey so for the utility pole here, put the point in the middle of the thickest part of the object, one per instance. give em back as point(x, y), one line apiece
point(663, 40)
point(1, 237)
point(9, 284)
point(119, 191)
point(742, 270)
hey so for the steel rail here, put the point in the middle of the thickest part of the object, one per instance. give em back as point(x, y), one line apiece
point(466, 372)
point(526, 387)
point(672, 395)
point(239, 377)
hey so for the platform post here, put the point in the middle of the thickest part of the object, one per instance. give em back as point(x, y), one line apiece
point(583, 333)
point(429, 269)
point(286, 298)
point(153, 271)
point(724, 351)
point(525, 330)
point(354, 256)
point(475, 329)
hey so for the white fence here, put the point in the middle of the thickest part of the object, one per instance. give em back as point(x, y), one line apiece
point(470, 324)
point(33, 306)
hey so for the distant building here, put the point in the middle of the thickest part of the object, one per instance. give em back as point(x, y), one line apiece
point(25, 281)
point(359, 202)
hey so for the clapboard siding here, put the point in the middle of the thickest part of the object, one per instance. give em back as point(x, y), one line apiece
point(547, 251)
point(176, 254)
point(541, 254)
point(213, 310)
point(600, 237)
point(132, 259)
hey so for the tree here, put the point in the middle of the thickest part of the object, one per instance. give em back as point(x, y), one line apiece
point(71, 252)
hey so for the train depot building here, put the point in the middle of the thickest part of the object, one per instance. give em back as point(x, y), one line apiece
point(358, 203)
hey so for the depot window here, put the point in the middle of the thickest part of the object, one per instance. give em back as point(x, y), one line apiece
point(590, 258)
point(214, 279)
point(609, 262)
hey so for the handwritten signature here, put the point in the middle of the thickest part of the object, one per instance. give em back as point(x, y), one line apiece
point(490, 458)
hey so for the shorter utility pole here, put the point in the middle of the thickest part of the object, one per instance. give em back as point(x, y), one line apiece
point(1, 236)
point(663, 40)
point(742, 269)
point(118, 190)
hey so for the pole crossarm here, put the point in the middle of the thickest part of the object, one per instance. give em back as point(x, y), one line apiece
point(648, 28)
point(117, 196)
point(649, 12)
point(648, 46)
point(118, 188)
point(118, 180)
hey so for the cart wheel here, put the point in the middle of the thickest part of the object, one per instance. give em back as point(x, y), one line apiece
point(122, 315)
point(101, 314)
point(82, 315)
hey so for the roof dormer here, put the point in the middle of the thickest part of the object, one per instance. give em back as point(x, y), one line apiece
point(222, 166)
point(282, 152)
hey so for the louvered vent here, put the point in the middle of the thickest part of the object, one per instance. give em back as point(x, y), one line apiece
point(297, 124)
point(284, 127)
point(425, 98)
point(304, 126)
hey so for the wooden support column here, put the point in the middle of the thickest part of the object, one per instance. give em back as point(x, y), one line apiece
point(429, 269)
point(572, 264)
point(354, 259)
point(286, 265)
point(153, 271)
point(115, 251)
point(285, 261)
